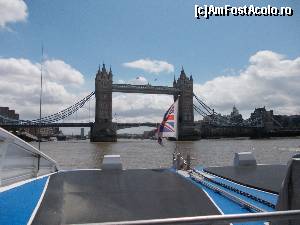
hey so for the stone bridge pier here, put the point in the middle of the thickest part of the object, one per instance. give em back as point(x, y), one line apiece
point(186, 125)
point(103, 129)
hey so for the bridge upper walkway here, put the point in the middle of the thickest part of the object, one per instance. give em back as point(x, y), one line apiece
point(145, 89)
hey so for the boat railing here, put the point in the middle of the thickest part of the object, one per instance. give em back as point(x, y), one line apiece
point(179, 162)
point(21, 161)
point(274, 217)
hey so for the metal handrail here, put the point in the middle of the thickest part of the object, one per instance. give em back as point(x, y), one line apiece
point(28, 147)
point(20, 160)
point(214, 219)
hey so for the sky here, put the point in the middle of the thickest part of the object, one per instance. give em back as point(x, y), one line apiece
point(248, 62)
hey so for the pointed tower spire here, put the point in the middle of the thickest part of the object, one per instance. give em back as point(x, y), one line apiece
point(182, 70)
point(103, 68)
point(98, 72)
point(191, 77)
point(110, 73)
point(182, 73)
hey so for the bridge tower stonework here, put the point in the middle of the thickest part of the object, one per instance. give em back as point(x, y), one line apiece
point(103, 130)
point(186, 127)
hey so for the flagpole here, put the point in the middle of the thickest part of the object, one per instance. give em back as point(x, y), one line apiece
point(177, 116)
point(41, 92)
point(175, 154)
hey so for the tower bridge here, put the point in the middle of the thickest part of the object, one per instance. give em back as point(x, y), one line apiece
point(103, 128)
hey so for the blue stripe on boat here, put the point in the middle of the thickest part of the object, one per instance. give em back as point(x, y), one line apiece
point(225, 205)
point(258, 193)
point(17, 204)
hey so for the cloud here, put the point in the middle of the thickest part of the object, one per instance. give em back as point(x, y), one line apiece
point(138, 81)
point(270, 80)
point(151, 66)
point(140, 107)
point(59, 71)
point(20, 86)
point(119, 81)
point(12, 11)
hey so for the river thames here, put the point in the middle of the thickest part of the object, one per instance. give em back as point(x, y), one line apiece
point(149, 154)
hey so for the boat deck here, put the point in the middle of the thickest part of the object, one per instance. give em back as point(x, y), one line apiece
point(90, 196)
point(263, 177)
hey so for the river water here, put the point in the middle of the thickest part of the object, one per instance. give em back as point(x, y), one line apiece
point(149, 154)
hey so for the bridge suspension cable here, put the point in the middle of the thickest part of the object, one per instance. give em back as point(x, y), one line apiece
point(56, 116)
point(210, 115)
point(206, 107)
point(207, 112)
point(217, 119)
point(197, 109)
point(65, 112)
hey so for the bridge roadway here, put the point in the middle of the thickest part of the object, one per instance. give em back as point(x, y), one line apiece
point(119, 125)
point(145, 89)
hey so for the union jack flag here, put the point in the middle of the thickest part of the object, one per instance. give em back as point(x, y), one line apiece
point(168, 127)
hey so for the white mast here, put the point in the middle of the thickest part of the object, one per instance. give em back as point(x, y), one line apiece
point(41, 92)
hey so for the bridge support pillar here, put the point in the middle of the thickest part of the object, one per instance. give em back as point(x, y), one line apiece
point(103, 132)
point(186, 126)
point(103, 129)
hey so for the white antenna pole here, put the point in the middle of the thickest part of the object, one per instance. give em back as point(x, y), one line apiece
point(41, 92)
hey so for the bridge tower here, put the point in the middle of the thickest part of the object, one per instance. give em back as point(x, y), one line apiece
point(103, 130)
point(186, 128)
